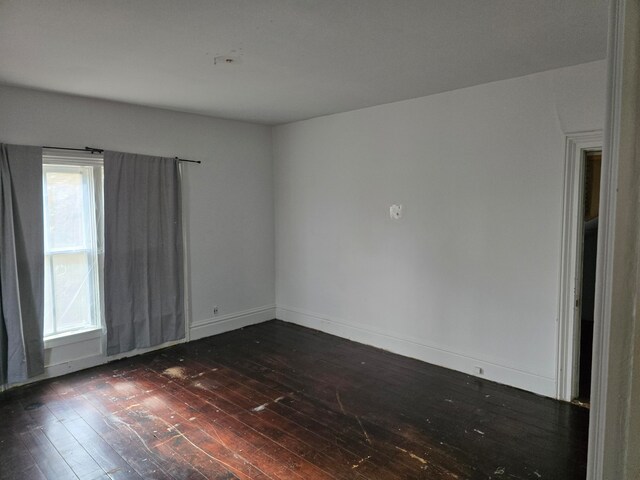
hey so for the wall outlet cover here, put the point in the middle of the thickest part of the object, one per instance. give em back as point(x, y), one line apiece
point(395, 211)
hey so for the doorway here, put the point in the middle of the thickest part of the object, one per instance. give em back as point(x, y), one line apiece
point(581, 207)
point(585, 300)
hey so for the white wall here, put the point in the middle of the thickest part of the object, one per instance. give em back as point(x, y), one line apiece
point(228, 198)
point(469, 275)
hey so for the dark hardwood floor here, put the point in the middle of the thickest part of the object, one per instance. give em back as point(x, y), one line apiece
point(277, 401)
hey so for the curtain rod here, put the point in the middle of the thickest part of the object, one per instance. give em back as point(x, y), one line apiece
point(99, 150)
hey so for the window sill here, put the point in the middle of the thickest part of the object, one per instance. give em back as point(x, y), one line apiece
point(72, 337)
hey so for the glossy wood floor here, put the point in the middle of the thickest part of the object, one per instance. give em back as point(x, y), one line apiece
point(277, 401)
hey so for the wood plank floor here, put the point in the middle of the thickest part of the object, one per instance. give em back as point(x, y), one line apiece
point(278, 401)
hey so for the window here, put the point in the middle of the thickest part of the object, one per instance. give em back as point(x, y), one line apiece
point(73, 243)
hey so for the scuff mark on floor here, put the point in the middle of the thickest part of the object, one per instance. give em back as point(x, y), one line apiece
point(166, 441)
point(221, 440)
point(340, 403)
point(360, 462)
point(180, 434)
point(366, 435)
point(260, 408)
point(130, 428)
point(412, 455)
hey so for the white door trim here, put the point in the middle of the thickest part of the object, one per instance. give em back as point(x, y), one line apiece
point(567, 341)
point(609, 404)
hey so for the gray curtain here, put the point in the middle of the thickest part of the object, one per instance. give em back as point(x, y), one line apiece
point(21, 263)
point(143, 270)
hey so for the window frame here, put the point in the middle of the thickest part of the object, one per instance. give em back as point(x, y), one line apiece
point(57, 160)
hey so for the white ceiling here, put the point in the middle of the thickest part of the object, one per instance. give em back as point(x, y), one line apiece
point(298, 58)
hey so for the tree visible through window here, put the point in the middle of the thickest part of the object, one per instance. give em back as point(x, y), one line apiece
point(73, 244)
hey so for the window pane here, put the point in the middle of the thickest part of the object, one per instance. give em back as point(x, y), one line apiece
point(73, 240)
point(65, 210)
point(72, 291)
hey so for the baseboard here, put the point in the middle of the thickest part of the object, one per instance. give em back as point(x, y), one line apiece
point(420, 351)
point(75, 362)
point(233, 321)
point(65, 367)
point(71, 366)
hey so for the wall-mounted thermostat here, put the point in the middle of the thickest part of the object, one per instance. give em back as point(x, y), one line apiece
point(395, 211)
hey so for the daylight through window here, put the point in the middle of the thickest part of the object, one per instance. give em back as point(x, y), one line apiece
point(72, 196)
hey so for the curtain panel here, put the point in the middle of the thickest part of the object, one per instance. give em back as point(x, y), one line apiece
point(143, 272)
point(21, 263)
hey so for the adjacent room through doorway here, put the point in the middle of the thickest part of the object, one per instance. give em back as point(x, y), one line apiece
point(587, 287)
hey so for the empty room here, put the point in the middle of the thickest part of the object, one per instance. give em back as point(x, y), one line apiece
point(319, 239)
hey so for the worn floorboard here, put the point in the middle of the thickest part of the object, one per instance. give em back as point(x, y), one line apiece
point(278, 401)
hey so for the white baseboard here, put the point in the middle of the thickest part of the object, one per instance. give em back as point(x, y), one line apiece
point(71, 366)
point(233, 321)
point(414, 349)
point(68, 358)
point(73, 356)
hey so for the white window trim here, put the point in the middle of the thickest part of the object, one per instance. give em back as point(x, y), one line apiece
point(70, 157)
point(74, 336)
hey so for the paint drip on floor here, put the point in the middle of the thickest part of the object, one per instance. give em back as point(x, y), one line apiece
point(175, 372)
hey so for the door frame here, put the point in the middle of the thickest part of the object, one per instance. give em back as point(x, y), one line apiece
point(568, 334)
point(610, 429)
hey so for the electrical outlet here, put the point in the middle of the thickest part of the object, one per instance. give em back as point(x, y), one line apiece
point(215, 309)
point(478, 370)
